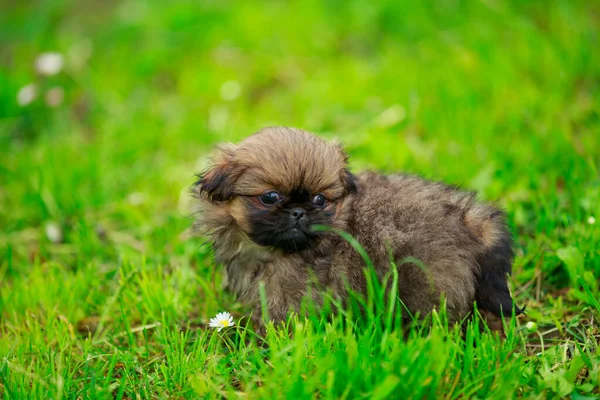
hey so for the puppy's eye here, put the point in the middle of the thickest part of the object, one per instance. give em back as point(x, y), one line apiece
point(319, 200)
point(270, 198)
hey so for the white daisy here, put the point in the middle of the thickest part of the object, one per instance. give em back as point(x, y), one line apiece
point(27, 94)
point(50, 63)
point(591, 220)
point(222, 320)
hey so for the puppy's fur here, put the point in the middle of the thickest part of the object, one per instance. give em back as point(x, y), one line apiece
point(464, 244)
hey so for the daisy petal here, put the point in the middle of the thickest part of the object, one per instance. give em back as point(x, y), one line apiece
point(221, 320)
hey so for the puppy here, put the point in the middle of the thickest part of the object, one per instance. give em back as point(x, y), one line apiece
point(261, 199)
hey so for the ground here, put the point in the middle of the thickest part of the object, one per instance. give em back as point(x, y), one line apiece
point(103, 291)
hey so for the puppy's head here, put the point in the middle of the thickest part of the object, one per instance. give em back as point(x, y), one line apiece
point(277, 185)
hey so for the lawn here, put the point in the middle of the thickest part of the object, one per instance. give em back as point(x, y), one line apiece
point(104, 292)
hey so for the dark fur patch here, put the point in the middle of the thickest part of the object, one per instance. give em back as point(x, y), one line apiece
point(449, 209)
point(274, 226)
point(492, 292)
point(350, 182)
point(218, 182)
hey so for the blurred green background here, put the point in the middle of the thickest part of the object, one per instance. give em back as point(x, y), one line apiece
point(108, 109)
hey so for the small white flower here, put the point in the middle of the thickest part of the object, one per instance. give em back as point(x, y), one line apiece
point(27, 94)
point(54, 232)
point(222, 320)
point(50, 63)
point(54, 97)
point(531, 326)
point(591, 220)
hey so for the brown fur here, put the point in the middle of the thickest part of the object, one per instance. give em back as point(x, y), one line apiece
point(464, 244)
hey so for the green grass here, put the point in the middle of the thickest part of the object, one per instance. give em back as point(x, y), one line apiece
point(502, 97)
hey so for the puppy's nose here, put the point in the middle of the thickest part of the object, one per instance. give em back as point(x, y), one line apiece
point(297, 213)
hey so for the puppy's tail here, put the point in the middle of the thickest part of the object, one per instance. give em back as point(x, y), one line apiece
point(491, 292)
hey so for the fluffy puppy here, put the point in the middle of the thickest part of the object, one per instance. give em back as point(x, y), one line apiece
point(260, 199)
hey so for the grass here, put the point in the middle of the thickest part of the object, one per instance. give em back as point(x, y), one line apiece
point(104, 294)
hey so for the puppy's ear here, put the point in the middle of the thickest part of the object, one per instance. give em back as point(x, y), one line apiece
point(348, 178)
point(219, 180)
point(349, 181)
